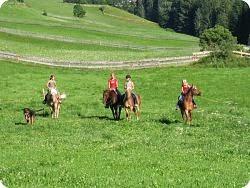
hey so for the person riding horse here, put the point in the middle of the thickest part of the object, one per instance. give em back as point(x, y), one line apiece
point(184, 89)
point(112, 97)
point(51, 88)
point(113, 86)
point(129, 85)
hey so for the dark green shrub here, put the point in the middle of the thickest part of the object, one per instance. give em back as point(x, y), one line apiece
point(219, 40)
point(44, 13)
point(78, 11)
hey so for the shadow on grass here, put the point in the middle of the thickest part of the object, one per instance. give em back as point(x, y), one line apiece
point(195, 125)
point(21, 123)
point(96, 117)
point(167, 121)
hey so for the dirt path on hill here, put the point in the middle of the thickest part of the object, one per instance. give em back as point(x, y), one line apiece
point(146, 63)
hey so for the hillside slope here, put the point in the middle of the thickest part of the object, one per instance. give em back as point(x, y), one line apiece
point(113, 36)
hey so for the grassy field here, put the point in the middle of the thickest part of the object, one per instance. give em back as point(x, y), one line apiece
point(85, 148)
point(114, 36)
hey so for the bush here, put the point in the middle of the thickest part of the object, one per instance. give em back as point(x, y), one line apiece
point(219, 40)
point(20, 1)
point(78, 11)
point(44, 13)
point(232, 61)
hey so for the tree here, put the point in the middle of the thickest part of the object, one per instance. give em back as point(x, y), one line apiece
point(182, 16)
point(20, 1)
point(148, 7)
point(78, 11)
point(219, 40)
point(139, 9)
point(164, 13)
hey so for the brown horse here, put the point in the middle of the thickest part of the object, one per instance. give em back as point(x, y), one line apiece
point(129, 104)
point(187, 105)
point(54, 102)
point(113, 101)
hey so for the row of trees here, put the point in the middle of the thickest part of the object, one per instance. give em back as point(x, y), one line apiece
point(194, 16)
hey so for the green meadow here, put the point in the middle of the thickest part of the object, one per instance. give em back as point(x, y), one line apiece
point(113, 36)
point(86, 148)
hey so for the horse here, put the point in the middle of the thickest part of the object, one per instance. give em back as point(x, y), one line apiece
point(54, 102)
point(187, 105)
point(113, 101)
point(129, 104)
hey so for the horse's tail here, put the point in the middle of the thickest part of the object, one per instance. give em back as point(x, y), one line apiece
point(42, 109)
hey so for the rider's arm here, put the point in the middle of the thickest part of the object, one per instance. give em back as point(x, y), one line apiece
point(109, 84)
point(125, 85)
point(182, 90)
point(47, 85)
point(133, 85)
point(116, 84)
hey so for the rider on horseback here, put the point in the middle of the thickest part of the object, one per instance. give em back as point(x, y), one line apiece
point(184, 89)
point(129, 85)
point(51, 88)
point(113, 84)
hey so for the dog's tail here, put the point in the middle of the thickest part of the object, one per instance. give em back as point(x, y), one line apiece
point(42, 109)
point(63, 96)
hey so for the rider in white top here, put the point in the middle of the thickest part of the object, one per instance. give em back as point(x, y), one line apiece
point(51, 85)
point(129, 85)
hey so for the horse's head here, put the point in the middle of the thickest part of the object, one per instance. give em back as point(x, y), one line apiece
point(128, 93)
point(195, 91)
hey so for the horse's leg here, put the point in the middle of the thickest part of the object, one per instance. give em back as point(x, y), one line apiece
point(190, 117)
point(58, 110)
point(51, 111)
point(55, 110)
point(127, 113)
point(186, 116)
point(119, 112)
point(182, 114)
point(116, 113)
point(136, 110)
point(112, 109)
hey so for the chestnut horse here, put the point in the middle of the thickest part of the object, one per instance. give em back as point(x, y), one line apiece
point(113, 100)
point(130, 106)
point(187, 105)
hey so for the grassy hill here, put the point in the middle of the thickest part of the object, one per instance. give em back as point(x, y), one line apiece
point(85, 148)
point(114, 36)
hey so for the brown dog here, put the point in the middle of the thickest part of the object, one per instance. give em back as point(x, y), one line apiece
point(29, 115)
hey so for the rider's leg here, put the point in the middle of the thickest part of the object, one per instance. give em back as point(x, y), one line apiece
point(178, 102)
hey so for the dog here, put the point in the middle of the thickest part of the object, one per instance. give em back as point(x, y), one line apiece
point(29, 115)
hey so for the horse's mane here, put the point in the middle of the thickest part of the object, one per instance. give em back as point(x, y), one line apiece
point(189, 90)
